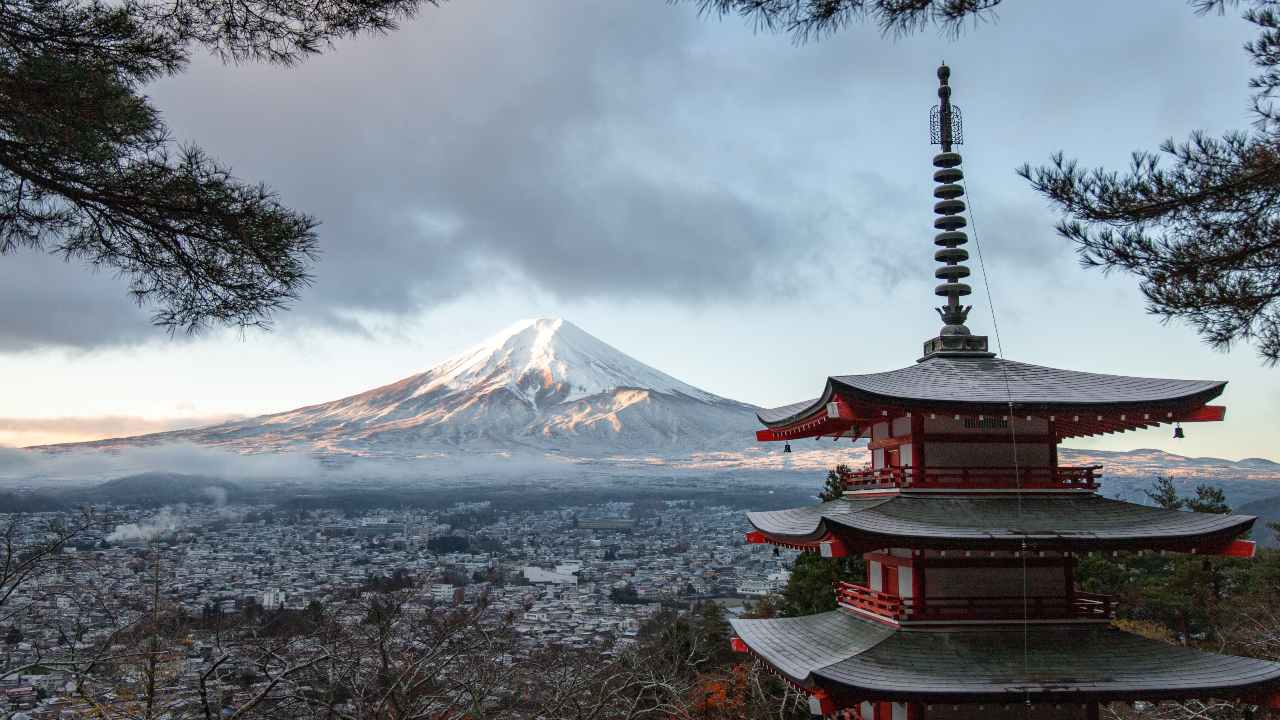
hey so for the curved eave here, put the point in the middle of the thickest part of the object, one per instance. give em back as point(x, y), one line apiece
point(799, 413)
point(1178, 404)
point(1079, 523)
point(987, 386)
point(857, 660)
point(826, 638)
point(788, 414)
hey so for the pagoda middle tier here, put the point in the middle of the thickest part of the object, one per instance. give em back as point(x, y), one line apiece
point(974, 520)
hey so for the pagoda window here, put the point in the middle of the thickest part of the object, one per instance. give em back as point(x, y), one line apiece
point(901, 426)
point(880, 431)
point(890, 580)
point(968, 581)
point(904, 455)
point(893, 456)
point(986, 425)
point(989, 454)
point(891, 573)
point(905, 579)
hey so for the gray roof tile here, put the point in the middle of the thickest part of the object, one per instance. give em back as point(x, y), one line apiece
point(1050, 662)
point(1066, 521)
point(979, 382)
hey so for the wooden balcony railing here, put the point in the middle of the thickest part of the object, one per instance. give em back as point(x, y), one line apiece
point(864, 598)
point(962, 478)
point(1078, 606)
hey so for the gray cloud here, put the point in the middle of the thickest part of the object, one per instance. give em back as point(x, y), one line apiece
point(48, 301)
point(634, 151)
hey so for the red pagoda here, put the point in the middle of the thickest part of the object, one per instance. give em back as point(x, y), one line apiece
point(971, 529)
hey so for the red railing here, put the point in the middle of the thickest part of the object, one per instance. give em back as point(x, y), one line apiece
point(1078, 606)
point(864, 598)
point(960, 478)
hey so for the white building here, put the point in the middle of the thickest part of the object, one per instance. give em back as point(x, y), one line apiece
point(536, 574)
point(754, 587)
point(443, 593)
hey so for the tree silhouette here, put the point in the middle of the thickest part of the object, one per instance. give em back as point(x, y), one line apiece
point(834, 486)
point(89, 171)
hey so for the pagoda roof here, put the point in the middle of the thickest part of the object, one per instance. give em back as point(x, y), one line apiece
point(988, 383)
point(1059, 521)
point(857, 659)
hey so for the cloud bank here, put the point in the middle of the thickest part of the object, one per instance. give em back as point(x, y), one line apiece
point(88, 466)
point(25, 431)
point(635, 152)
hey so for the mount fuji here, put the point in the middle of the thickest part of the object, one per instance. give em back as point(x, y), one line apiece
point(541, 385)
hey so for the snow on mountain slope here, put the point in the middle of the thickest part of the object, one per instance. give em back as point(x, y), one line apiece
point(550, 360)
point(540, 384)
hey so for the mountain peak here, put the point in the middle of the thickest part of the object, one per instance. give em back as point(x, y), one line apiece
point(538, 325)
point(550, 359)
point(540, 334)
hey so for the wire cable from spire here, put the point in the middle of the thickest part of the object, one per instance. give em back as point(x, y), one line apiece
point(944, 74)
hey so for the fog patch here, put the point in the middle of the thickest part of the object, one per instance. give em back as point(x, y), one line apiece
point(162, 523)
point(90, 466)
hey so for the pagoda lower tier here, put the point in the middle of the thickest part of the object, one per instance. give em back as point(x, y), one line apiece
point(971, 599)
point(844, 660)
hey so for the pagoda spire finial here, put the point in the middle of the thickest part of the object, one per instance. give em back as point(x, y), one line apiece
point(945, 129)
point(946, 115)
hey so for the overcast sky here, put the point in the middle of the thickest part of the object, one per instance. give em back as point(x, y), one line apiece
point(747, 215)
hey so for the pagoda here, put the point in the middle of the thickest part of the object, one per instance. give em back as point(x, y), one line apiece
point(971, 529)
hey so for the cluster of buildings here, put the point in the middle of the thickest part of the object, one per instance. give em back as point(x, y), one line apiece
point(578, 576)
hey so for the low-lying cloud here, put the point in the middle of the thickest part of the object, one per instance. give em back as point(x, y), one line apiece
point(24, 431)
point(89, 466)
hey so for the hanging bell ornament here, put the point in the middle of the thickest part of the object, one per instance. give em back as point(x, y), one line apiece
point(1177, 432)
point(786, 448)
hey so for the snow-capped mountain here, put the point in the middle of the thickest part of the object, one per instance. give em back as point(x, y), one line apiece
point(543, 385)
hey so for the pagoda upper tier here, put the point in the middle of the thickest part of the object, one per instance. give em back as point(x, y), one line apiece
point(1075, 403)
